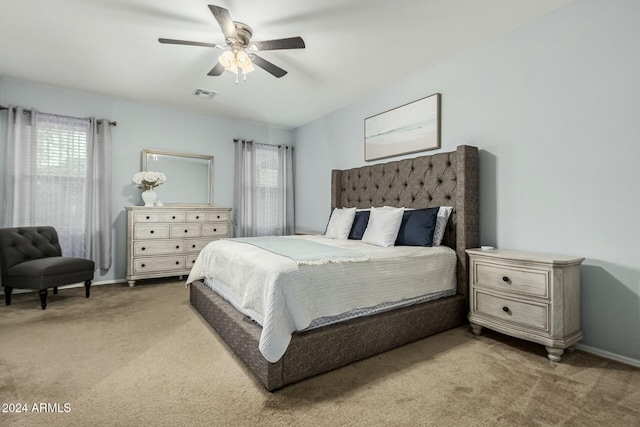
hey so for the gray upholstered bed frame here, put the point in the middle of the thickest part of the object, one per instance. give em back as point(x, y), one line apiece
point(442, 179)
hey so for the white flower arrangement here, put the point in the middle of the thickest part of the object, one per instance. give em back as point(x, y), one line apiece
point(149, 180)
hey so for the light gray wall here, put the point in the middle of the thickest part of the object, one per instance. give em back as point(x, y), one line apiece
point(554, 108)
point(143, 126)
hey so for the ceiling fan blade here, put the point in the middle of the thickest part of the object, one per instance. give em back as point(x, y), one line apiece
point(289, 43)
point(267, 66)
point(217, 70)
point(224, 20)
point(186, 42)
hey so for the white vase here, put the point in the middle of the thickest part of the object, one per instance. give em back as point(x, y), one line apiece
point(148, 197)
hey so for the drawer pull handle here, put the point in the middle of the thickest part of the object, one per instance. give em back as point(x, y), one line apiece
point(147, 217)
point(177, 262)
point(505, 309)
point(505, 279)
point(193, 246)
point(186, 231)
point(151, 232)
point(173, 217)
point(178, 247)
point(143, 248)
point(215, 229)
point(193, 261)
point(142, 266)
point(218, 216)
point(197, 217)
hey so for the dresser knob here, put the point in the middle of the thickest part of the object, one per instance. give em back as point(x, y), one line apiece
point(177, 262)
point(186, 231)
point(177, 247)
point(143, 248)
point(505, 309)
point(193, 246)
point(197, 217)
point(173, 217)
point(142, 265)
point(147, 217)
point(215, 229)
point(151, 232)
point(218, 216)
point(505, 279)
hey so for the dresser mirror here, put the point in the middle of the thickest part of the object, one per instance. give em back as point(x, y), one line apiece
point(189, 176)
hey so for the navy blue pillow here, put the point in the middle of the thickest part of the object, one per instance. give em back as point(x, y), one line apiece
point(417, 227)
point(359, 225)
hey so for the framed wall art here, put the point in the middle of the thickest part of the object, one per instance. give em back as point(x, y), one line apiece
point(406, 129)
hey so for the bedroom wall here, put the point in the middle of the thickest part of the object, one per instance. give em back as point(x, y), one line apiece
point(554, 109)
point(143, 126)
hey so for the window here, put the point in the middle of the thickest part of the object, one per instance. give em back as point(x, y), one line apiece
point(60, 179)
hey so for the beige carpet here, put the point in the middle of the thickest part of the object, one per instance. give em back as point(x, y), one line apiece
point(143, 357)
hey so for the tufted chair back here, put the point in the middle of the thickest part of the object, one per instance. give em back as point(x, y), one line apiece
point(22, 244)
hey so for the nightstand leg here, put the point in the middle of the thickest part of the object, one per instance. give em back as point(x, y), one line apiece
point(131, 283)
point(554, 354)
point(476, 329)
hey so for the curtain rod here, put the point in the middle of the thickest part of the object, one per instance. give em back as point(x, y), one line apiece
point(236, 140)
point(2, 107)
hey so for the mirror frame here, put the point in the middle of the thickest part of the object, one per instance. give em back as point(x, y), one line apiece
point(146, 152)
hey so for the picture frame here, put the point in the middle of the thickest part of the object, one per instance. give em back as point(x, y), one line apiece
point(407, 129)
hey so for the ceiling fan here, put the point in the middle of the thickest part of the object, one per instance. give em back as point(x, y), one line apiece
point(240, 51)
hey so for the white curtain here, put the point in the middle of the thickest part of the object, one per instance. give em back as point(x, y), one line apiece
point(57, 171)
point(263, 187)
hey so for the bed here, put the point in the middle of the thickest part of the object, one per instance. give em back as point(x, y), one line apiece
point(443, 179)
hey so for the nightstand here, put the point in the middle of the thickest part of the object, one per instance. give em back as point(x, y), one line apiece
point(531, 296)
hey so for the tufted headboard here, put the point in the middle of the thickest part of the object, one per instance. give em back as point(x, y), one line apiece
point(443, 179)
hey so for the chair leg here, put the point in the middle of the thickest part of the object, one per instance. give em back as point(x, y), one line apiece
point(87, 286)
point(55, 290)
point(7, 295)
point(43, 298)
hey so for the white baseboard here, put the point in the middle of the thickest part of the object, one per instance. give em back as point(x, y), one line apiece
point(609, 355)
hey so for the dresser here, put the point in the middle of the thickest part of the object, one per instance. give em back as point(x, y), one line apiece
point(531, 296)
point(165, 241)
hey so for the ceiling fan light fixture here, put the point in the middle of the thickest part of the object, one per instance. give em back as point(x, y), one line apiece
point(228, 61)
point(244, 62)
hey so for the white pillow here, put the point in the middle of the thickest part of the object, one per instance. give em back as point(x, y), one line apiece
point(384, 224)
point(441, 224)
point(340, 223)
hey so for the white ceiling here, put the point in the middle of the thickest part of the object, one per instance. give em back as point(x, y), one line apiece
point(110, 47)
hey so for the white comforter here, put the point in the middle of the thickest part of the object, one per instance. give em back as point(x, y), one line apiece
point(284, 297)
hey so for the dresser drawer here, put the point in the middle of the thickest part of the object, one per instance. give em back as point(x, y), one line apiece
point(147, 216)
point(196, 217)
point(151, 247)
point(150, 231)
point(186, 230)
point(218, 216)
point(195, 246)
point(215, 230)
point(528, 281)
point(147, 265)
point(173, 217)
point(191, 259)
point(524, 313)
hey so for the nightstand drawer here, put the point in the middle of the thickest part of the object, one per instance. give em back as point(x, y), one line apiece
point(528, 314)
point(516, 279)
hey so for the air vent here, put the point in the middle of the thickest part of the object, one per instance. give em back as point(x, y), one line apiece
point(204, 93)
